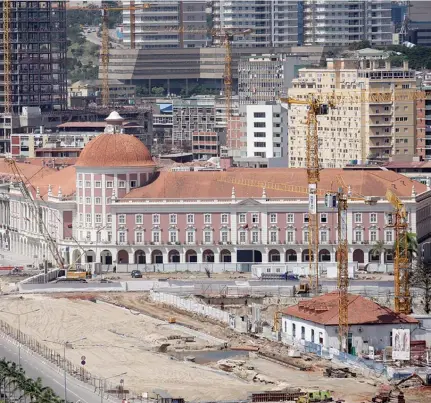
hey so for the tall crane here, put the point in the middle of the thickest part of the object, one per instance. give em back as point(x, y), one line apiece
point(402, 260)
point(316, 107)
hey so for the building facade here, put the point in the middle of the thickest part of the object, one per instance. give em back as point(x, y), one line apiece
point(115, 206)
point(273, 23)
point(366, 122)
point(158, 26)
point(337, 23)
point(38, 61)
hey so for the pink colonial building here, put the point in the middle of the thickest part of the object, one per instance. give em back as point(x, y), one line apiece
point(115, 207)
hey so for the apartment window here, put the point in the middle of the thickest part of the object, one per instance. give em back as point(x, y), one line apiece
point(98, 200)
point(242, 218)
point(306, 218)
point(139, 219)
point(259, 124)
point(133, 184)
point(224, 219)
point(260, 134)
point(98, 218)
point(80, 184)
point(255, 236)
point(273, 236)
point(121, 219)
point(109, 184)
point(87, 200)
point(323, 236)
point(98, 184)
point(224, 236)
point(207, 237)
point(173, 236)
point(358, 217)
point(260, 144)
point(87, 184)
point(358, 236)
point(88, 218)
point(255, 218)
point(122, 184)
point(109, 236)
point(156, 218)
point(207, 219)
point(273, 218)
point(389, 236)
point(172, 218)
point(122, 237)
point(190, 237)
point(290, 237)
point(190, 218)
point(109, 218)
point(305, 236)
point(242, 237)
point(290, 218)
point(323, 218)
point(156, 236)
point(373, 236)
point(138, 237)
point(259, 115)
point(373, 218)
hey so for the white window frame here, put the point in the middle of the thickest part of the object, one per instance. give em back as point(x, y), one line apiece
point(325, 233)
point(208, 240)
point(155, 235)
point(88, 184)
point(190, 218)
point(305, 236)
point(290, 218)
point(133, 184)
point(224, 236)
point(305, 218)
point(172, 219)
point(88, 218)
point(80, 184)
point(109, 236)
point(391, 233)
point(88, 200)
point(324, 218)
point(98, 184)
point(287, 237)
point(356, 218)
point(273, 218)
point(173, 236)
point(122, 184)
point(255, 218)
point(192, 237)
point(109, 184)
point(139, 234)
point(109, 218)
point(373, 231)
point(139, 219)
point(98, 200)
point(207, 218)
point(254, 237)
point(242, 237)
point(98, 218)
point(273, 237)
point(360, 238)
point(122, 219)
point(372, 221)
point(242, 218)
point(225, 218)
point(156, 219)
point(122, 235)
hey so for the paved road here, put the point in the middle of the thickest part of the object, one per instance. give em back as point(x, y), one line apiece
point(36, 366)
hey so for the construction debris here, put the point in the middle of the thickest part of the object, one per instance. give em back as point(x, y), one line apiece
point(339, 373)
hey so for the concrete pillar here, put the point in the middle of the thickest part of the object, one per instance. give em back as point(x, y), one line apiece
point(183, 256)
point(366, 257)
point(233, 257)
point(299, 255)
point(217, 257)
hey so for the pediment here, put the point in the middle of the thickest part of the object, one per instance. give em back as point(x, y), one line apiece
point(249, 202)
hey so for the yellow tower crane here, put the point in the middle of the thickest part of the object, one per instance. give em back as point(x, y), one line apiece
point(398, 221)
point(316, 107)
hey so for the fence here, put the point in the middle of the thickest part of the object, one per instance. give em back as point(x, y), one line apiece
point(190, 306)
point(179, 267)
point(42, 278)
point(78, 372)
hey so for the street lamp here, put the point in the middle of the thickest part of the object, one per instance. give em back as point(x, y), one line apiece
point(102, 384)
point(65, 344)
point(19, 328)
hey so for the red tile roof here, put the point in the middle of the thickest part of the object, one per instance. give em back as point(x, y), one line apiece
point(206, 185)
point(361, 311)
point(64, 178)
point(31, 172)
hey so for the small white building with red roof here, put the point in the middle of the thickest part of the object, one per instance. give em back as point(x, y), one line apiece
point(370, 324)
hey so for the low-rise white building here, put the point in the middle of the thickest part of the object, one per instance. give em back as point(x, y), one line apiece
point(266, 131)
point(370, 324)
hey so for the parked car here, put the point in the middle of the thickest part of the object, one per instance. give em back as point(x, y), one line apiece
point(136, 274)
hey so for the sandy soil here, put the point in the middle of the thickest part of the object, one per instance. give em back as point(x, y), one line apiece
point(119, 341)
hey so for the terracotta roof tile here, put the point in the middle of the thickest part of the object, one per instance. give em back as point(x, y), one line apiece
point(64, 178)
point(115, 150)
point(205, 185)
point(361, 311)
point(31, 171)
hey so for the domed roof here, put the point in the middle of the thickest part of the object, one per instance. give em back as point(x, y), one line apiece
point(115, 150)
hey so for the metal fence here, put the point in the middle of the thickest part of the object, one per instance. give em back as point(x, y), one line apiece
point(100, 384)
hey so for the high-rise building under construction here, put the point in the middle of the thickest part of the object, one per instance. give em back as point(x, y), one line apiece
point(34, 60)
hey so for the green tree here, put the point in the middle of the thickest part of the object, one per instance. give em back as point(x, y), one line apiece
point(420, 278)
point(158, 91)
point(360, 45)
point(412, 245)
point(378, 249)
